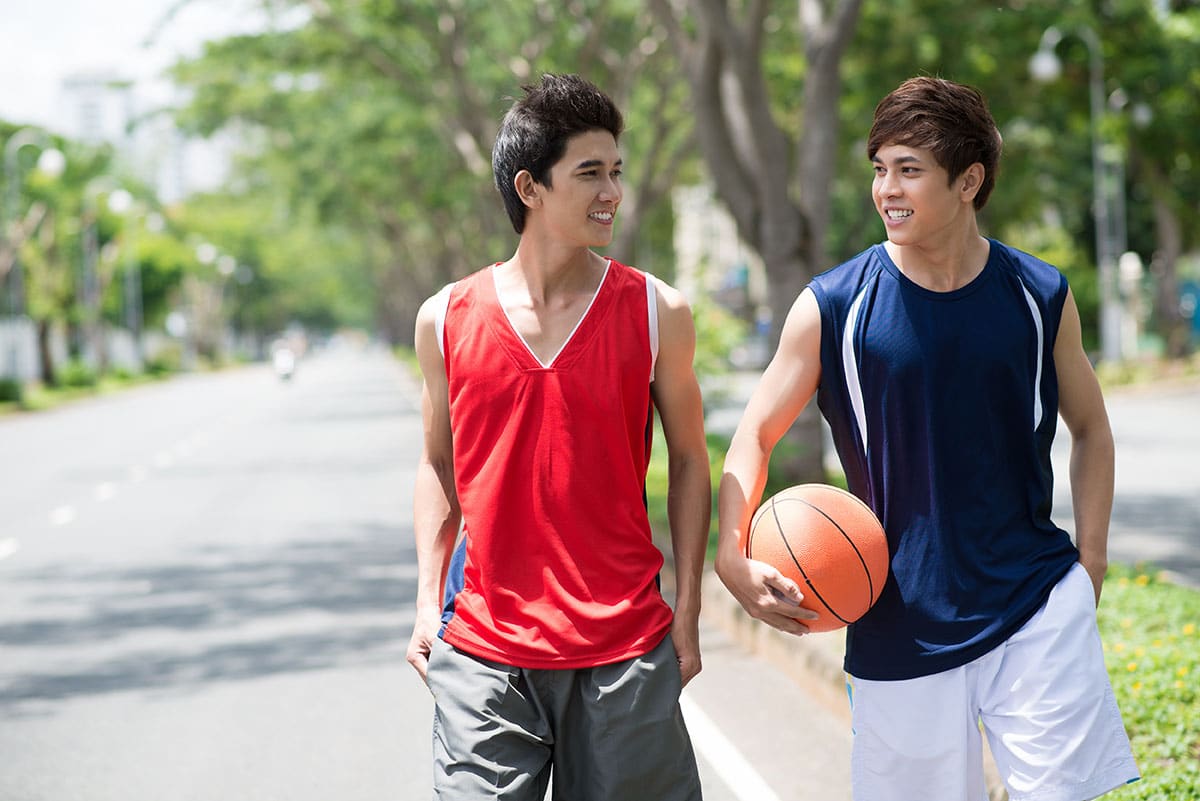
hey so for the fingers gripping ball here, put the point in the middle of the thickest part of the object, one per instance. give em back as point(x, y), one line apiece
point(827, 541)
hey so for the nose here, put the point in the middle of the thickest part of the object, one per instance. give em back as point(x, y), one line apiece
point(887, 185)
point(610, 190)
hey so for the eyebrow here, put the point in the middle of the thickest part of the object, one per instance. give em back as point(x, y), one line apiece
point(583, 165)
point(899, 160)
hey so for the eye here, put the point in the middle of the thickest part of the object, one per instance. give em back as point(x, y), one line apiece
point(617, 173)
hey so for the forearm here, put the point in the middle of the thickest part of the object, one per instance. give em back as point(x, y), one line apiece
point(742, 483)
point(436, 519)
point(689, 511)
point(1092, 472)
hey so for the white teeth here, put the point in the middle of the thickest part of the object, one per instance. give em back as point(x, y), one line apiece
point(603, 216)
point(898, 214)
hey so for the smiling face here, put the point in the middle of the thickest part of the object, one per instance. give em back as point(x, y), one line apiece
point(578, 204)
point(916, 198)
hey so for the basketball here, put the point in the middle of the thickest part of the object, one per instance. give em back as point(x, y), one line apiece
point(827, 541)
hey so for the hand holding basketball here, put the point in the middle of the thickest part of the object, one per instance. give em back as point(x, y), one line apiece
point(829, 543)
point(766, 594)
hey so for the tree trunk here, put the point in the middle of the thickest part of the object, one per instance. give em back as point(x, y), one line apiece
point(1169, 320)
point(45, 354)
point(750, 157)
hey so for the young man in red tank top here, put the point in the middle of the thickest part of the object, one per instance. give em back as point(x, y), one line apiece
point(553, 655)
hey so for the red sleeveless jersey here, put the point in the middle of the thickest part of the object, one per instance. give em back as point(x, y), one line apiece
point(550, 467)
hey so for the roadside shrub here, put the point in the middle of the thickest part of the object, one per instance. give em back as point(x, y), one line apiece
point(164, 362)
point(10, 390)
point(76, 374)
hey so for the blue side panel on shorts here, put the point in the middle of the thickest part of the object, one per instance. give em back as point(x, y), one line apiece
point(454, 583)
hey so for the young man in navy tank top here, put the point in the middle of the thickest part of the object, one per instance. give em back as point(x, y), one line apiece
point(552, 657)
point(942, 360)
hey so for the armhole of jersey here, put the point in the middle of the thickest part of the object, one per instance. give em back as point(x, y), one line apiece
point(652, 317)
point(441, 301)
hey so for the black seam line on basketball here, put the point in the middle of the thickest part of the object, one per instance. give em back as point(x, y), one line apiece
point(850, 542)
point(800, 567)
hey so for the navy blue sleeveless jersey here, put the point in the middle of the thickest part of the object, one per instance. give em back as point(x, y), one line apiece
point(943, 406)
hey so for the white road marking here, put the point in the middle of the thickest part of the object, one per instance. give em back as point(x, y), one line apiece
point(62, 516)
point(724, 757)
point(8, 547)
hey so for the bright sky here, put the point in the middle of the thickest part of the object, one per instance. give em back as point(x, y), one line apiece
point(44, 41)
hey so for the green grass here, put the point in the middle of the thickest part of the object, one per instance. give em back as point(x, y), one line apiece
point(1151, 634)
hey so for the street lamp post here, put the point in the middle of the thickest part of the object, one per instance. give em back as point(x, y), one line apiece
point(123, 203)
point(51, 162)
point(89, 291)
point(1045, 66)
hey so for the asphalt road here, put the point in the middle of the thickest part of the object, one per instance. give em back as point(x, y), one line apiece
point(1156, 507)
point(206, 590)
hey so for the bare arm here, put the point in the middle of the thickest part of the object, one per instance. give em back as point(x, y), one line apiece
point(436, 515)
point(689, 490)
point(787, 385)
point(1081, 405)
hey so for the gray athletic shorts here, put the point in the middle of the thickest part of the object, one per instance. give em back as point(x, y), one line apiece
point(609, 733)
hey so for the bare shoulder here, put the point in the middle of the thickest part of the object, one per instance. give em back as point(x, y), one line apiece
point(802, 326)
point(425, 335)
point(668, 296)
point(674, 311)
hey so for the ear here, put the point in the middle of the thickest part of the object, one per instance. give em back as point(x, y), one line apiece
point(529, 190)
point(970, 181)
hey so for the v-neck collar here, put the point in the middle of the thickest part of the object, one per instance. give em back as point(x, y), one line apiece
point(578, 323)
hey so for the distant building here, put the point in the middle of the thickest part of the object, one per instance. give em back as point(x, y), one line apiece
point(100, 106)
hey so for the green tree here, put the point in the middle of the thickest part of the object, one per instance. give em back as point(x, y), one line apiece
point(378, 120)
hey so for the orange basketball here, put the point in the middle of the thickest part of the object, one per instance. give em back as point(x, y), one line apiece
point(827, 541)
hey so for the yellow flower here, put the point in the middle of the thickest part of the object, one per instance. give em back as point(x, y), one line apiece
point(1123, 582)
point(1137, 686)
point(1132, 666)
point(1183, 671)
point(1119, 647)
point(1189, 628)
point(1142, 580)
point(1139, 652)
point(1156, 644)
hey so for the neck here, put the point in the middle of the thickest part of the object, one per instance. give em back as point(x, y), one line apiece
point(550, 271)
point(943, 265)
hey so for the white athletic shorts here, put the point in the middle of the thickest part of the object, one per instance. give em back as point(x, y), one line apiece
point(1043, 697)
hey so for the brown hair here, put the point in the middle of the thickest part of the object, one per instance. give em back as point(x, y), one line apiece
point(949, 119)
